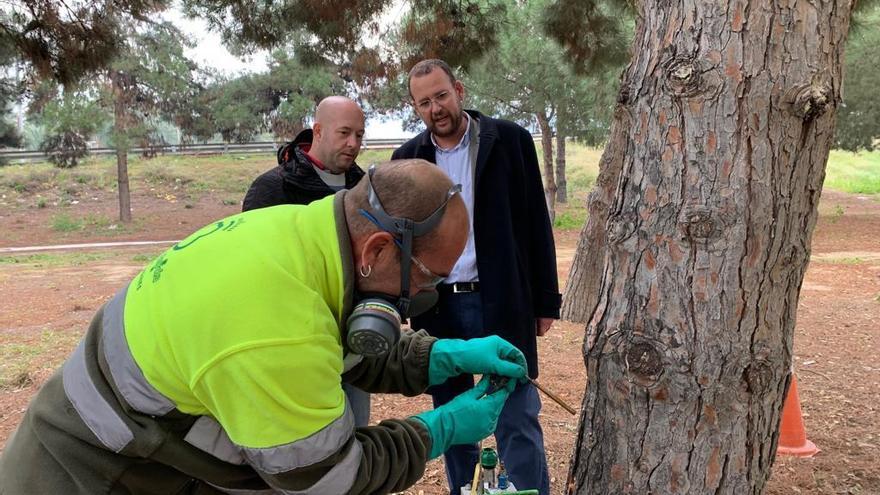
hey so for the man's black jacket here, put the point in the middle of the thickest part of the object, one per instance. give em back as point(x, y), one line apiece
point(294, 180)
point(516, 256)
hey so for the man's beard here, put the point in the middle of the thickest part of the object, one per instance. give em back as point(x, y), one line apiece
point(454, 122)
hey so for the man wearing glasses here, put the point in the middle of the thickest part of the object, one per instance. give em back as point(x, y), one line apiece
point(505, 281)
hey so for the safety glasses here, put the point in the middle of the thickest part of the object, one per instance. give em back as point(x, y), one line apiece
point(433, 279)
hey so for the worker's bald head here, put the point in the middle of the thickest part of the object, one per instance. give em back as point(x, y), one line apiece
point(411, 189)
point(338, 132)
point(334, 106)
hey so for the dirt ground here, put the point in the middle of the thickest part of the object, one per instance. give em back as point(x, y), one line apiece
point(45, 306)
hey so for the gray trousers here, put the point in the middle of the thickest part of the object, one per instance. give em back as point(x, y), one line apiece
point(360, 404)
point(50, 453)
point(54, 452)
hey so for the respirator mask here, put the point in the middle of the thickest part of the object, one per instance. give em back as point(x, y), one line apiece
point(374, 325)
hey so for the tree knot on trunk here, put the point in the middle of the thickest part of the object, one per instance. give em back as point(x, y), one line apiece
point(699, 224)
point(811, 100)
point(620, 228)
point(794, 257)
point(683, 77)
point(623, 95)
point(758, 377)
point(643, 361)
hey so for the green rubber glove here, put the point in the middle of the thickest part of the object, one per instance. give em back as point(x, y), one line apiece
point(484, 356)
point(468, 418)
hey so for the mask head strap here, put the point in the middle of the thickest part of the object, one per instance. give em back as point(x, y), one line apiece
point(403, 230)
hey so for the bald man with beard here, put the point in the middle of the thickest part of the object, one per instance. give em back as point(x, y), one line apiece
point(318, 162)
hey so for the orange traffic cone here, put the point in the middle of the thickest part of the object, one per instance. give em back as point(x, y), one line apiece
point(792, 437)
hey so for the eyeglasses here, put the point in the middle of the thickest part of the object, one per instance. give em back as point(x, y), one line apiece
point(433, 278)
point(440, 99)
point(403, 230)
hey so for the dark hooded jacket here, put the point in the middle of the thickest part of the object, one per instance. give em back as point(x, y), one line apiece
point(294, 180)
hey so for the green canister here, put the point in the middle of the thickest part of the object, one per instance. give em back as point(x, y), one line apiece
point(488, 458)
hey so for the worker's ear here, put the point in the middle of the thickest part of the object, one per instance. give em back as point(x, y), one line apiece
point(317, 132)
point(378, 250)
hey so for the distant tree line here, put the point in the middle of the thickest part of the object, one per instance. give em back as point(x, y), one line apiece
point(689, 267)
point(533, 62)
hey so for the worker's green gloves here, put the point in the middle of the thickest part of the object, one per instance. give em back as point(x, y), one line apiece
point(484, 356)
point(466, 419)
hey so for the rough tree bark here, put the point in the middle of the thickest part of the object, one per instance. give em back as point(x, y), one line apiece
point(582, 286)
point(120, 138)
point(547, 148)
point(725, 122)
point(561, 183)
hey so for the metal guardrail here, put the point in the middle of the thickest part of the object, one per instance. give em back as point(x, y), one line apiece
point(13, 155)
point(24, 156)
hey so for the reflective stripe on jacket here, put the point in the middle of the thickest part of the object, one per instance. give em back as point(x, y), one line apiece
point(218, 380)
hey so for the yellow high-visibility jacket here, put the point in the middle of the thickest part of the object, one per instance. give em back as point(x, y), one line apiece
point(218, 370)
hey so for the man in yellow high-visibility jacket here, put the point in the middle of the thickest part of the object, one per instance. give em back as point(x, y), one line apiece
point(218, 369)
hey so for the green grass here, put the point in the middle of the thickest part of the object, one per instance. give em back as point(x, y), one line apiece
point(28, 178)
point(19, 360)
point(227, 177)
point(198, 176)
point(581, 165)
point(369, 157)
point(843, 260)
point(143, 258)
point(581, 170)
point(195, 175)
point(857, 173)
point(41, 260)
point(63, 222)
point(572, 218)
point(77, 258)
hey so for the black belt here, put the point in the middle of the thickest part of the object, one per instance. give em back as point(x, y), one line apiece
point(459, 287)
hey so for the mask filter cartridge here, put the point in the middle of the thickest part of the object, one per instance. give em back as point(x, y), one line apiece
point(373, 327)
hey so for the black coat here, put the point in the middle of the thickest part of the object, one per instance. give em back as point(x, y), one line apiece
point(516, 256)
point(294, 180)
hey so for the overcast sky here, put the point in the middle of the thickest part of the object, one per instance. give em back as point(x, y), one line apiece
point(210, 52)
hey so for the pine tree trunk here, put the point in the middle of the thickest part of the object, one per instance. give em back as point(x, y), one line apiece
point(582, 286)
point(561, 183)
point(120, 139)
point(122, 180)
point(726, 119)
point(547, 148)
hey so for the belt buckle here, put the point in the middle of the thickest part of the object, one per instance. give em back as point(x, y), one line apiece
point(463, 287)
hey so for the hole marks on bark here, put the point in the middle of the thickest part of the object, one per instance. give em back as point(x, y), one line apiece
point(699, 224)
point(644, 362)
point(687, 77)
point(758, 377)
point(620, 228)
point(684, 77)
